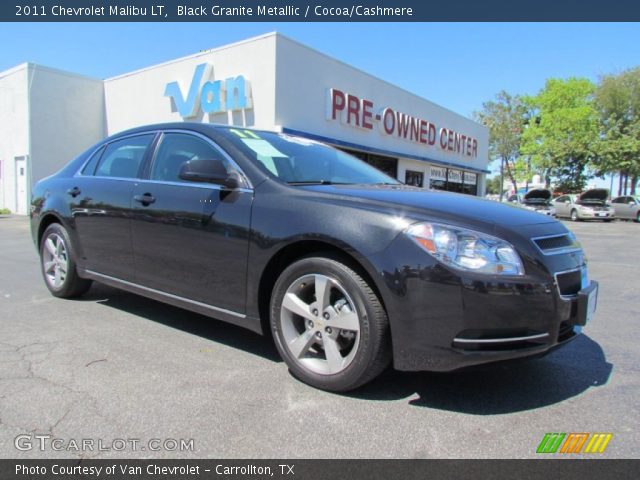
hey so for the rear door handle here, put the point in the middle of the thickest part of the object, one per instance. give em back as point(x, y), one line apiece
point(146, 199)
point(74, 192)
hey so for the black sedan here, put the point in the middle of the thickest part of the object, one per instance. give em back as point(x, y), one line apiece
point(348, 269)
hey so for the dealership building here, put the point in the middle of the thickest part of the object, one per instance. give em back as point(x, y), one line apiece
point(48, 116)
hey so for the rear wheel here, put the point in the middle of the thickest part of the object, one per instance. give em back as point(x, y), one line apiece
point(328, 325)
point(638, 217)
point(574, 215)
point(58, 265)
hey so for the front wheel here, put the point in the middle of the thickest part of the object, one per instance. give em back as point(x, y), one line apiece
point(329, 325)
point(58, 265)
point(574, 216)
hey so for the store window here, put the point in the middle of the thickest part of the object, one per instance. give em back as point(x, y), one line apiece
point(453, 180)
point(416, 179)
point(470, 183)
point(438, 178)
point(388, 165)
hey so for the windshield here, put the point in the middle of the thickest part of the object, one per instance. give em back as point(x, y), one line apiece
point(299, 161)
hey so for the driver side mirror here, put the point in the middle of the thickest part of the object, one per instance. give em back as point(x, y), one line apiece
point(209, 171)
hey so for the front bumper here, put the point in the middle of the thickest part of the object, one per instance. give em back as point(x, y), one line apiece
point(596, 215)
point(442, 320)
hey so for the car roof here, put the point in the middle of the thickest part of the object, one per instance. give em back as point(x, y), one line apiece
point(198, 127)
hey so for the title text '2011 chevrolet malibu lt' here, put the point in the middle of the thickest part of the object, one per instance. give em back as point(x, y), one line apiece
point(348, 269)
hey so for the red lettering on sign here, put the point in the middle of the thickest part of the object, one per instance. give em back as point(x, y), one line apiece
point(388, 121)
point(403, 124)
point(367, 114)
point(424, 132)
point(337, 102)
point(353, 109)
point(432, 134)
point(415, 129)
point(443, 138)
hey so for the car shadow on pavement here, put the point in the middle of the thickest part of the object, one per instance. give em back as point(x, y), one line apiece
point(184, 320)
point(500, 388)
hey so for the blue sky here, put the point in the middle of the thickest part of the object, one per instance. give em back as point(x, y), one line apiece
point(457, 65)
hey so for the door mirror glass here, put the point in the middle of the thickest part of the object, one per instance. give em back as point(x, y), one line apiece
point(208, 171)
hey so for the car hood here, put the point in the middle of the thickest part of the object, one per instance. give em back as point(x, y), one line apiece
point(435, 204)
point(597, 194)
point(537, 195)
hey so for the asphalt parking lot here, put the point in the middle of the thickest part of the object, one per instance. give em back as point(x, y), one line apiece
point(116, 366)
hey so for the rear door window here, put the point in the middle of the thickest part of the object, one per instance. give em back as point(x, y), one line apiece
point(122, 158)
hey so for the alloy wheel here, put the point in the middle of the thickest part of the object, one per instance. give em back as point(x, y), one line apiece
point(320, 324)
point(55, 260)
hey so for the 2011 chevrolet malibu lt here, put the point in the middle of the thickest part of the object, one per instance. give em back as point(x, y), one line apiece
point(346, 268)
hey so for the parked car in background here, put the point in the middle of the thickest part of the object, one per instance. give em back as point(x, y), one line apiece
point(627, 207)
point(537, 199)
point(590, 205)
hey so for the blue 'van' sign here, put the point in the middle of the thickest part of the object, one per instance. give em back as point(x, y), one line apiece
point(211, 97)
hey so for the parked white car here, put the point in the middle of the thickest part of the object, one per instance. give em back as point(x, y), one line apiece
point(590, 205)
point(627, 207)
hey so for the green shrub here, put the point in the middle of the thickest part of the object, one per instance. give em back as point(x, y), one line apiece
point(5, 211)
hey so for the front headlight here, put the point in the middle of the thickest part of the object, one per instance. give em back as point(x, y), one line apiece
point(467, 250)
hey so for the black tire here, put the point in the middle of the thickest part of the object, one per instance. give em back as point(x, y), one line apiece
point(71, 285)
point(574, 215)
point(373, 350)
point(638, 217)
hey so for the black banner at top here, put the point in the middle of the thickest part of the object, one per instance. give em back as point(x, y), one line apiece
point(318, 10)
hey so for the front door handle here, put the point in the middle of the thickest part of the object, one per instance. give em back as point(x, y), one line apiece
point(74, 192)
point(146, 199)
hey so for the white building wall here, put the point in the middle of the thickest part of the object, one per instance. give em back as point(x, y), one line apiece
point(405, 164)
point(66, 117)
point(14, 125)
point(304, 77)
point(137, 98)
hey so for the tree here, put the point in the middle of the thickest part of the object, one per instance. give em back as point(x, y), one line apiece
point(563, 140)
point(505, 118)
point(618, 102)
point(494, 185)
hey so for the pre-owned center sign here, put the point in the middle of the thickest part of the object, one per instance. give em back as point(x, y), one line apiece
point(362, 113)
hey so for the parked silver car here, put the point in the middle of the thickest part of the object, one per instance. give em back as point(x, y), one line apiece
point(590, 205)
point(539, 200)
point(627, 207)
